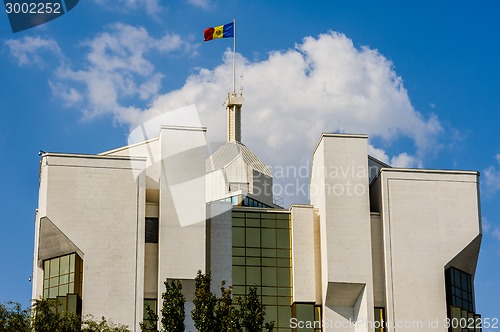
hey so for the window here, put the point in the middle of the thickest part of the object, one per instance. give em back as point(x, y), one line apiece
point(459, 289)
point(152, 304)
point(379, 319)
point(309, 315)
point(151, 230)
point(62, 275)
point(62, 280)
point(460, 299)
point(262, 258)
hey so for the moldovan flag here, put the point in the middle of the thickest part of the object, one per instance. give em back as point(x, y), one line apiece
point(222, 31)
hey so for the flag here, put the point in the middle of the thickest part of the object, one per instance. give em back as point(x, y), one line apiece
point(221, 31)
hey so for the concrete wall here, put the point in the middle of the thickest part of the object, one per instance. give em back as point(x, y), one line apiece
point(98, 204)
point(182, 207)
point(220, 244)
point(428, 217)
point(339, 190)
point(304, 263)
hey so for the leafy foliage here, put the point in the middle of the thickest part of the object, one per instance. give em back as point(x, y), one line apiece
point(226, 315)
point(220, 314)
point(44, 317)
point(151, 321)
point(91, 325)
point(13, 318)
point(204, 304)
point(253, 312)
point(172, 311)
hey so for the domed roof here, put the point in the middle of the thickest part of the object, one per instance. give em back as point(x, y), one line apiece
point(229, 152)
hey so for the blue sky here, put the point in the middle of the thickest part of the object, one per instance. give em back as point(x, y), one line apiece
point(421, 78)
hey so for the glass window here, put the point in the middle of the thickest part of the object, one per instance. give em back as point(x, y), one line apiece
point(272, 314)
point(151, 303)
point(283, 262)
point(267, 262)
point(284, 292)
point(283, 253)
point(269, 276)
point(253, 237)
point(268, 238)
point(253, 261)
point(239, 222)
point(239, 290)
point(283, 238)
point(238, 251)
point(269, 300)
point(253, 223)
point(151, 230)
point(239, 275)
point(238, 260)
point(253, 275)
point(61, 274)
point(284, 277)
point(54, 267)
point(459, 289)
point(379, 319)
point(283, 300)
point(238, 237)
point(284, 315)
point(269, 291)
point(72, 262)
point(268, 252)
point(253, 252)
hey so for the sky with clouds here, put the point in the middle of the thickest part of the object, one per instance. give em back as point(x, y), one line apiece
point(421, 79)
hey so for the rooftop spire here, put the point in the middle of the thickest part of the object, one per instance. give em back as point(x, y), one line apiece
point(234, 102)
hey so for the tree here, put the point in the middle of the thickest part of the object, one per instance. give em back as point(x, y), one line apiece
point(252, 312)
point(43, 316)
point(172, 311)
point(204, 302)
point(13, 318)
point(91, 325)
point(220, 314)
point(226, 315)
point(151, 321)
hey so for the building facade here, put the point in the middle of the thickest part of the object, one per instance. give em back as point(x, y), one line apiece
point(375, 244)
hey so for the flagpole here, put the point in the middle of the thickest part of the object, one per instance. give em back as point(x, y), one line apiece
point(234, 57)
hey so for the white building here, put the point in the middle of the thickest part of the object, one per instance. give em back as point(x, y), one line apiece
point(376, 243)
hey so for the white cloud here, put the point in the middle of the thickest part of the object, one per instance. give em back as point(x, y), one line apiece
point(29, 50)
point(491, 176)
point(496, 233)
point(486, 224)
point(116, 68)
point(378, 154)
point(152, 7)
point(403, 160)
point(491, 229)
point(324, 84)
point(205, 4)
